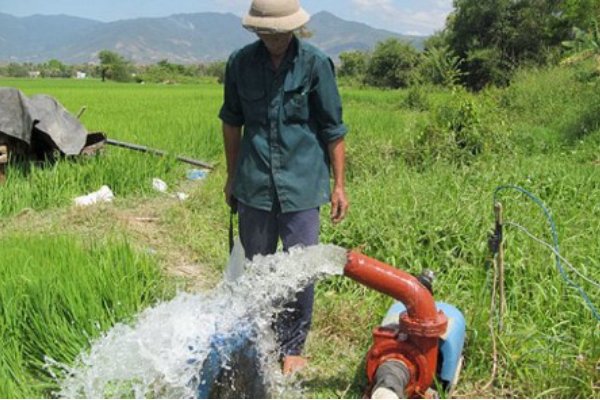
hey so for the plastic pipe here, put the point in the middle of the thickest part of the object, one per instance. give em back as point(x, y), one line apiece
point(391, 380)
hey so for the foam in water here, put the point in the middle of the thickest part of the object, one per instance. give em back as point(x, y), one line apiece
point(163, 353)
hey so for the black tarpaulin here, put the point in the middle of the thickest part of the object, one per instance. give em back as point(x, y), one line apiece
point(20, 116)
point(15, 118)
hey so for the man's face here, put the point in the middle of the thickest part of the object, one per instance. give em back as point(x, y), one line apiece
point(276, 43)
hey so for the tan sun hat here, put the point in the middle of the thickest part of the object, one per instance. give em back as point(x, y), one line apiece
point(275, 16)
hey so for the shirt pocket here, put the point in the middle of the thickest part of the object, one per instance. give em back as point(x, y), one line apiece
point(254, 106)
point(295, 101)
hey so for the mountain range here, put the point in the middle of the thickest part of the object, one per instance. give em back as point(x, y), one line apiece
point(180, 38)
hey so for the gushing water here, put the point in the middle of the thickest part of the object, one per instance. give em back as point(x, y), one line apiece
point(164, 353)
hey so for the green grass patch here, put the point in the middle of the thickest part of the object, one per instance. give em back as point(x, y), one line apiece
point(180, 119)
point(419, 198)
point(56, 294)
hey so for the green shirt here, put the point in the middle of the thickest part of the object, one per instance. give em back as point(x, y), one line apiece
point(289, 116)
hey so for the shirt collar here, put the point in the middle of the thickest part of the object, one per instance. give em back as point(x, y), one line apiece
point(290, 56)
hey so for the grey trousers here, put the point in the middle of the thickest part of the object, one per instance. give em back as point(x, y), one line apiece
point(259, 233)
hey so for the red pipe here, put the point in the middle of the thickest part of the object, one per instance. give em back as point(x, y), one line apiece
point(398, 284)
point(422, 323)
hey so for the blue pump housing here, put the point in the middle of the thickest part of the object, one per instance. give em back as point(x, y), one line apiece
point(451, 342)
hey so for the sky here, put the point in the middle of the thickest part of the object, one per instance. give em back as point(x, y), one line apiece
point(415, 17)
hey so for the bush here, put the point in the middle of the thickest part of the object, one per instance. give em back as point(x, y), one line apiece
point(114, 66)
point(15, 70)
point(353, 63)
point(417, 99)
point(392, 65)
point(588, 119)
point(459, 129)
point(495, 37)
point(217, 69)
point(553, 107)
point(440, 66)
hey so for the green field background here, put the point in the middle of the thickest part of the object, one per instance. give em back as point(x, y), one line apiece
point(418, 200)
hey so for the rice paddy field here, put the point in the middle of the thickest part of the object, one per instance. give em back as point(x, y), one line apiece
point(423, 165)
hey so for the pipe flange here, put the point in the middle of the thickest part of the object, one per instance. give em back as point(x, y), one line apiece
point(429, 328)
point(421, 375)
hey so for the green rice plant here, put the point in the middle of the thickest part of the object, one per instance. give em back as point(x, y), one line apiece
point(129, 112)
point(56, 294)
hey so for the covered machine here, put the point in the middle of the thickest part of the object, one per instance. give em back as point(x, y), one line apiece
point(38, 127)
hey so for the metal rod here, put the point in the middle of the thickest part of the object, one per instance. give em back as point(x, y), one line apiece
point(81, 111)
point(144, 149)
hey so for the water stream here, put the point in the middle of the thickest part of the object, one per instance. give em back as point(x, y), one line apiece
point(167, 351)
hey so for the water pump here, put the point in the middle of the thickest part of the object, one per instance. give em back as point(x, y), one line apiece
point(419, 340)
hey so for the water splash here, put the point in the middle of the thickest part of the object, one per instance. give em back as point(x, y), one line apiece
point(163, 352)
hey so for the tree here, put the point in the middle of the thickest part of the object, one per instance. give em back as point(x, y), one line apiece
point(15, 70)
point(114, 66)
point(89, 69)
point(55, 69)
point(583, 14)
point(440, 66)
point(392, 64)
point(494, 37)
point(354, 63)
point(217, 69)
point(585, 45)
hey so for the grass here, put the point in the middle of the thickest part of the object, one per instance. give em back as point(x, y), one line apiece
point(410, 212)
point(134, 113)
point(57, 293)
point(439, 219)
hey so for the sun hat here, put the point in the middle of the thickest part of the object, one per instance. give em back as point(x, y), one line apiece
point(275, 16)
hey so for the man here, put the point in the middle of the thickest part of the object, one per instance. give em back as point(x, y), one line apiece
point(282, 91)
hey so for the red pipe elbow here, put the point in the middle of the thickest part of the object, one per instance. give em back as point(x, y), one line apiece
point(398, 284)
point(395, 283)
point(422, 322)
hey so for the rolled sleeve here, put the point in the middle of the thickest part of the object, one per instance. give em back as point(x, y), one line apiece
point(231, 111)
point(326, 102)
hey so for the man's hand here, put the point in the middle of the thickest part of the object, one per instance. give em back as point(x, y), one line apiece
point(339, 201)
point(228, 191)
point(339, 205)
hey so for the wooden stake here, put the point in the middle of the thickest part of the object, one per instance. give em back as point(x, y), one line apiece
point(3, 161)
point(500, 263)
